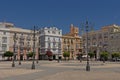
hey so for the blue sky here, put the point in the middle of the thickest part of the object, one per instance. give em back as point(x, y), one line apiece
point(60, 13)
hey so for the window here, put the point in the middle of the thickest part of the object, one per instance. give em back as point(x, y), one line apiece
point(68, 41)
point(28, 43)
point(48, 39)
point(39, 32)
point(48, 31)
point(28, 38)
point(71, 41)
point(53, 39)
point(4, 47)
point(4, 39)
point(59, 32)
point(54, 46)
point(53, 32)
point(105, 35)
point(100, 36)
point(59, 45)
point(59, 40)
point(77, 46)
point(48, 44)
point(4, 33)
point(64, 41)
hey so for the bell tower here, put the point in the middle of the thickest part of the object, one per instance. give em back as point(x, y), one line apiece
point(74, 31)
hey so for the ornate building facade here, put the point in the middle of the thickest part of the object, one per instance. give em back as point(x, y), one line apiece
point(72, 42)
point(99, 40)
point(50, 39)
point(21, 39)
point(114, 42)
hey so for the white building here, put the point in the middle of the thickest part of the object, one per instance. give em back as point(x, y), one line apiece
point(4, 38)
point(23, 41)
point(50, 39)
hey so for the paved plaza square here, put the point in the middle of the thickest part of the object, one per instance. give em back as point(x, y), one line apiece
point(65, 70)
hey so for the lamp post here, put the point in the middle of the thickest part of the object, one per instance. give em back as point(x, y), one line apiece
point(38, 47)
point(20, 60)
point(88, 65)
point(13, 63)
point(20, 53)
point(58, 58)
point(59, 48)
point(33, 64)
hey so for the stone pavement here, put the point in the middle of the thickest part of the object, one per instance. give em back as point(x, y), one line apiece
point(65, 70)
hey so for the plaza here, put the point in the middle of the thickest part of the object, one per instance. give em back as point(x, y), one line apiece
point(65, 70)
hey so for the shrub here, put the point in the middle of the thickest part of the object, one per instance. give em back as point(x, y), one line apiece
point(104, 55)
point(8, 54)
point(91, 54)
point(115, 55)
point(66, 54)
point(30, 54)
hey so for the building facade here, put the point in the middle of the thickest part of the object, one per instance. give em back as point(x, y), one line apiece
point(50, 39)
point(4, 39)
point(114, 42)
point(71, 42)
point(99, 40)
point(18, 38)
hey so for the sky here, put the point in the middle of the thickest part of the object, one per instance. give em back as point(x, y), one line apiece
point(60, 13)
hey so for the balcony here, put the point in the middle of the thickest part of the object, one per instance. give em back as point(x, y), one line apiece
point(22, 37)
point(28, 38)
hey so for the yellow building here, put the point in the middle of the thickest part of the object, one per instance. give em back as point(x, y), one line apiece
point(72, 42)
point(99, 40)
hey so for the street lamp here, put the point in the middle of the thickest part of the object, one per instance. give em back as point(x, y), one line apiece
point(20, 60)
point(88, 65)
point(20, 52)
point(58, 58)
point(59, 48)
point(13, 63)
point(33, 64)
point(37, 60)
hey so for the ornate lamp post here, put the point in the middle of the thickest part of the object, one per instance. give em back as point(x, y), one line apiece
point(58, 54)
point(33, 64)
point(20, 60)
point(58, 58)
point(88, 65)
point(37, 60)
point(59, 48)
point(13, 63)
point(20, 52)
